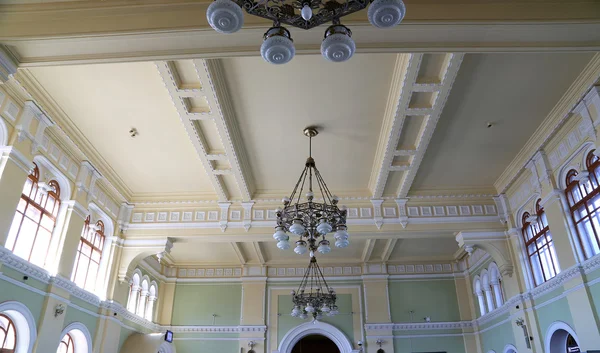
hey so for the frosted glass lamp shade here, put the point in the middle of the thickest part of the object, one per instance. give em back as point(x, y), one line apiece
point(280, 234)
point(338, 45)
point(324, 247)
point(324, 227)
point(225, 16)
point(297, 227)
point(283, 244)
point(278, 47)
point(301, 248)
point(342, 243)
point(386, 13)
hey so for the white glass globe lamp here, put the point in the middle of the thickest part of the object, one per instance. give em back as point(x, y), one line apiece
point(324, 227)
point(297, 227)
point(300, 248)
point(386, 13)
point(338, 45)
point(277, 47)
point(225, 16)
point(280, 234)
point(324, 247)
point(283, 244)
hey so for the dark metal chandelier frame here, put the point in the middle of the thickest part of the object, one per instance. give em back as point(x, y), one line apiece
point(282, 11)
point(314, 296)
point(311, 215)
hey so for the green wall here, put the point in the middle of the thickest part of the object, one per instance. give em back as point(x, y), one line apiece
point(555, 311)
point(194, 346)
point(74, 315)
point(451, 344)
point(343, 321)
point(497, 338)
point(33, 301)
point(195, 304)
point(434, 298)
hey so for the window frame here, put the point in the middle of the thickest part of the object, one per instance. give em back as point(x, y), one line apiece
point(35, 198)
point(86, 234)
point(6, 331)
point(70, 343)
point(540, 231)
point(578, 197)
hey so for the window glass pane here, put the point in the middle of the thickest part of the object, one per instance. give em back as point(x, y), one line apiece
point(81, 271)
point(86, 250)
point(2, 337)
point(14, 229)
point(62, 348)
point(33, 213)
point(21, 205)
point(91, 278)
point(536, 269)
point(47, 222)
point(96, 256)
point(40, 248)
point(555, 258)
point(10, 338)
point(27, 187)
point(26, 237)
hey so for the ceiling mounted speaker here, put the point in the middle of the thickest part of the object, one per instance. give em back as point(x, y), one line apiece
point(225, 16)
point(386, 13)
point(277, 47)
point(338, 44)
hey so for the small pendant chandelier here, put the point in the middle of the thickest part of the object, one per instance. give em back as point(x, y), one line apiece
point(310, 220)
point(226, 16)
point(314, 296)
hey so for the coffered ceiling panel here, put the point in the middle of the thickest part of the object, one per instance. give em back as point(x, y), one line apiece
point(514, 92)
point(432, 249)
point(273, 104)
point(105, 101)
point(195, 253)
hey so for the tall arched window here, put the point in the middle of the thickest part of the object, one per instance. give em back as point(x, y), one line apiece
point(143, 299)
point(134, 291)
point(89, 254)
point(583, 196)
point(152, 292)
point(539, 245)
point(31, 229)
point(8, 335)
point(66, 345)
point(478, 291)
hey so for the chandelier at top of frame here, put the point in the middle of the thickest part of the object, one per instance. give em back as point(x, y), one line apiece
point(226, 16)
point(310, 220)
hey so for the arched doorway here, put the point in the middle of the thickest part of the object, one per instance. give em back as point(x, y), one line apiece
point(561, 338)
point(288, 342)
point(315, 344)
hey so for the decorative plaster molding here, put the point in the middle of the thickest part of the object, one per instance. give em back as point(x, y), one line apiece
point(419, 326)
point(17, 157)
point(8, 64)
point(217, 329)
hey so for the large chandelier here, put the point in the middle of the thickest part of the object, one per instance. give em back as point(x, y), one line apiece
point(226, 16)
point(310, 220)
point(314, 296)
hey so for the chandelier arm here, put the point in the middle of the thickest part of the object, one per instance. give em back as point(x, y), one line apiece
point(297, 184)
point(323, 187)
point(323, 277)
point(302, 186)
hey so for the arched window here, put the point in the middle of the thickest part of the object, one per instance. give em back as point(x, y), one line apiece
point(496, 283)
point(8, 335)
point(152, 292)
point(583, 196)
point(89, 254)
point(31, 229)
point(66, 345)
point(143, 299)
point(478, 291)
point(134, 291)
point(539, 245)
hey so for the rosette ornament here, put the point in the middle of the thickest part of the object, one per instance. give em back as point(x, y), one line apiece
point(386, 13)
point(338, 44)
point(225, 16)
point(277, 47)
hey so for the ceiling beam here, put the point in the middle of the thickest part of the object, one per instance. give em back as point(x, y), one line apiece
point(390, 244)
point(239, 252)
point(368, 250)
point(259, 253)
point(448, 73)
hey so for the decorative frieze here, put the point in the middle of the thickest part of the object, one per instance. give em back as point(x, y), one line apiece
point(456, 325)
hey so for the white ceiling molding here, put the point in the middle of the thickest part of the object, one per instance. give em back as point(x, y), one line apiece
point(239, 253)
point(208, 101)
point(420, 87)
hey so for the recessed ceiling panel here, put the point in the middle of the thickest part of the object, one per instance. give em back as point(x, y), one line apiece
point(514, 92)
point(273, 104)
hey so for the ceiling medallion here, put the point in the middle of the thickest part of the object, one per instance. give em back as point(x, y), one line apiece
point(307, 218)
point(226, 16)
point(314, 296)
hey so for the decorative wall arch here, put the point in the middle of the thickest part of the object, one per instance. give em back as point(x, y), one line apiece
point(64, 182)
point(556, 337)
point(573, 162)
point(509, 348)
point(494, 272)
point(317, 328)
point(3, 133)
point(82, 340)
point(528, 206)
point(24, 324)
point(99, 214)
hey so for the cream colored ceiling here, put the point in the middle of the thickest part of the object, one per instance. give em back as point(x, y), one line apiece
point(274, 104)
point(106, 101)
point(515, 92)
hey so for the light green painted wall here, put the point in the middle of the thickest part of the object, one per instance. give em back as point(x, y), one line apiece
point(434, 298)
point(452, 344)
point(195, 304)
point(557, 310)
point(33, 301)
point(74, 315)
point(595, 294)
point(343, 321)
point(497, 338)
point(207, 346)
point(32, 282)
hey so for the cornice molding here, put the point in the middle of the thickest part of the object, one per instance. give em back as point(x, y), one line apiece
point(456, 325)
point(12, 153)
point(217, 329)
point(555, 119)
